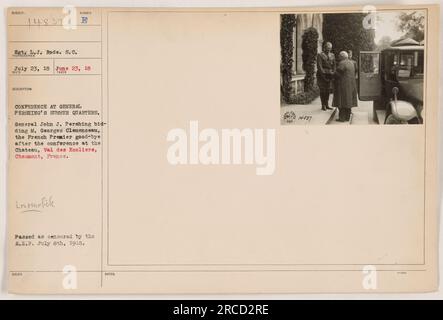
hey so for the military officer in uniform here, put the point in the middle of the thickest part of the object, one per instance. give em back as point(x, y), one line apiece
point(325, 72)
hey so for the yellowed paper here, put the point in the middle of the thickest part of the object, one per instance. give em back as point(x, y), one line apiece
point(155, 151)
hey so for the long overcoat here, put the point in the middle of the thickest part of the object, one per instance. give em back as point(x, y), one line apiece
point(345, 88)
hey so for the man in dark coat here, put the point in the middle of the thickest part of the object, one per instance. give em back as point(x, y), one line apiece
point(325, 72)
point(345, 93)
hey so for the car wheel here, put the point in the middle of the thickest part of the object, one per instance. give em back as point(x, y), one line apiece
point(393, 120)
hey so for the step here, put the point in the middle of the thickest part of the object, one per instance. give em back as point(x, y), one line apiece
point(334, 117)
point(380, 114)
point(360, 117)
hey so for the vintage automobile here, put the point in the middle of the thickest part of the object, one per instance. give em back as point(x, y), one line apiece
point(393, 79)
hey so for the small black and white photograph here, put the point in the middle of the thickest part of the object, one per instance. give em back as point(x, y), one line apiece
point(358, 68)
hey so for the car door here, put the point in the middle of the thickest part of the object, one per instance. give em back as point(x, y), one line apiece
point(369, 75)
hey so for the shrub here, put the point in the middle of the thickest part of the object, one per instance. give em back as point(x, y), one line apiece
point(305, 97)
point(287, 25)
point(346, 32)
point(309, 56)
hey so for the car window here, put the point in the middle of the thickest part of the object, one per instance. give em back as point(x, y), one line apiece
point(391, 65)
point(369, 63)
point(411, 64)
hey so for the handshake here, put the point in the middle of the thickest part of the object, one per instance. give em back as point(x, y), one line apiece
point(328, 75)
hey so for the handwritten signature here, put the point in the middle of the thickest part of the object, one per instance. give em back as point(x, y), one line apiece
point(35, 206)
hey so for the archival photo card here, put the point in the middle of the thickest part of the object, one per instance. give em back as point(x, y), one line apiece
point(223, 151)
point(353, 68)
